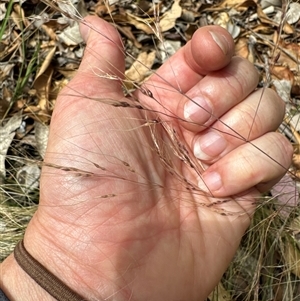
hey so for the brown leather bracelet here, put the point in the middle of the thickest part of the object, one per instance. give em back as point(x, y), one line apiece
point(50, 283)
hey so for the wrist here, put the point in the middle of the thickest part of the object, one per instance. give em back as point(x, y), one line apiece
point(16, 282)
point(17, 285)
point(55, 253)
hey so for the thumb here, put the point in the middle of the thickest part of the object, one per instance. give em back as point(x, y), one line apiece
point(103, 61)
point(211, 49)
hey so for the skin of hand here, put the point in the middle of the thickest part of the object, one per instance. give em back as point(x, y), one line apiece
point(128, 229)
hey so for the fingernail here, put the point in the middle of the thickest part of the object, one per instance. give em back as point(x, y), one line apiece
point(221, 41)
point(209, 146)
point(210, 182)
point(197, 110)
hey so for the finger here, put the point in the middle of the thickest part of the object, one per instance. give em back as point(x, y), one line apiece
point(260, 113)
point(247, 166)
point(210, 49)
point(217, 93)
point(103, 61)
point(77, 114)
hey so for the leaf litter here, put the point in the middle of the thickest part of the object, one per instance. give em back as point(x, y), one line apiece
point(265, 32)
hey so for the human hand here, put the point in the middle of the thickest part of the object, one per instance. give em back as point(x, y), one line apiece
point(118, 222)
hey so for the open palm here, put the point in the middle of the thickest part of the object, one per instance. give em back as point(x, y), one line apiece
point(116, 223)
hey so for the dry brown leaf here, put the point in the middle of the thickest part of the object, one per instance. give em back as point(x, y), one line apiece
point(55, 88)
point(5, 101)
point(10, 47)
point(267, 3)
point(168, 48)
point(67, 73)
point(220, 294)
point(50, 32)
point(101, 8)
point(263, 17)
point(7, 133)
point(190, 31)
point(71, 36)
point(283, 88)
point(28, 176)
point(263, 29)
point(289, 52)
point(287, 28)
point(293, 50)
point(126, 31)
point(5, 70)
point(236, 4)
point(222, 20)
point(168, 20)
point(140, 68)
point(296, 160)
point(46, 62)
point(41, 137)
point(296, 86)
point(289, 57)
point(42, 86)
point(18, 17)
point(283, 72)
point(139, 23)
point(278, 19)
point(293, 14)
point(2, 11)
point(241, 48)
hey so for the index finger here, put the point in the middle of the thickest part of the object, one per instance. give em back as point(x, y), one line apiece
point(211, 48)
